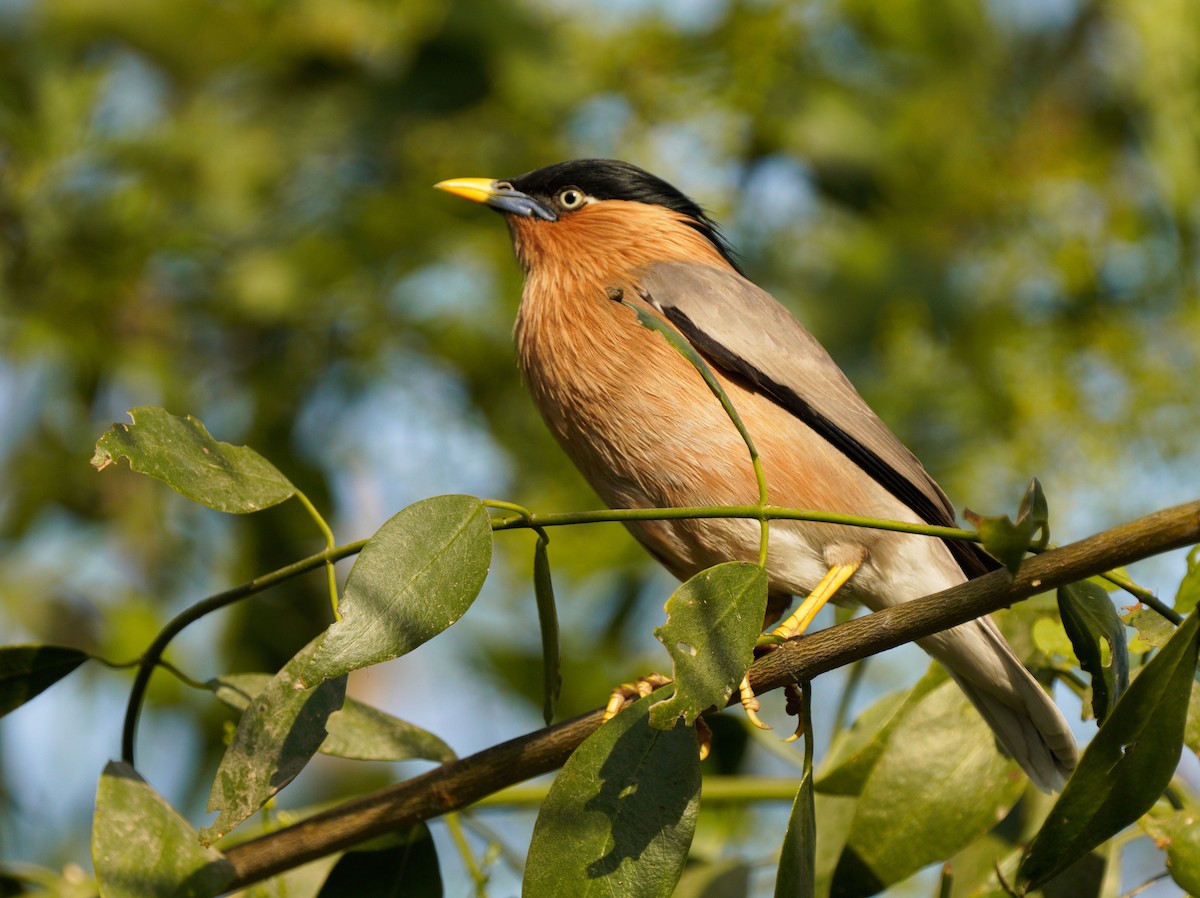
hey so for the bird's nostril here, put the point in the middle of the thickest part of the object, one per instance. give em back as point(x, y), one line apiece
point(504, 185)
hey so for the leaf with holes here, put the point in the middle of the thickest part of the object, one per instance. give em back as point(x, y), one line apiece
point(1126, 766)
point(713, 622)
point(1153, 630)
point(1098, 638)
point(414, 578)
point(181, 453)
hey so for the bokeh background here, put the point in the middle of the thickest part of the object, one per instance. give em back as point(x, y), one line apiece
point(988, 210)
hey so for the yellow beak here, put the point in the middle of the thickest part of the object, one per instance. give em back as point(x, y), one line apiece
point(500, 195)
point(477, 190)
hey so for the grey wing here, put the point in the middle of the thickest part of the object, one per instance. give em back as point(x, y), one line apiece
point(745, 330)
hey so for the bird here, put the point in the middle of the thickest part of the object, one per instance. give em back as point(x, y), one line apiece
point(646, 431)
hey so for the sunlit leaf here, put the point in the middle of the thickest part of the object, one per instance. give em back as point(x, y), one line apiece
point(975, 787)
point(181, 453)
point(277, 735)
point(28, 670)
point(1182, 831)
point(1191, 729)
point(1098, 638)
point(355, 730)
point(714, 620)
point(414, 578)
point(1188, 594)
point(854, 751)
point(620, 816)
point(388, 867)
point(1126, 766)
point(143, 848)
point(1153, 630)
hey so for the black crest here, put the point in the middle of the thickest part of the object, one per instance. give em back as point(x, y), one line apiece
point(611, 179)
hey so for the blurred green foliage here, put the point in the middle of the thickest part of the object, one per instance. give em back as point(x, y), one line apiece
point(986, 210)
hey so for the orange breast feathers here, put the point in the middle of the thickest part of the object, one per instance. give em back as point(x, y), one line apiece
point(635, 416)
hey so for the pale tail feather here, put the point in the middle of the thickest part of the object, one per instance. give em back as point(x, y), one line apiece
point(1024, 718)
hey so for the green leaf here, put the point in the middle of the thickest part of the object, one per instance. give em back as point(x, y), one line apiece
point(414, 578)
point(723, 879)
point(543, 590)
point(620, 817)
point(942, 740)
point(28, 670)
point(713, 621)
point(854, 751)
point(356, 730)
point(1183, 850)
point(1153, 630)
point(1098, 638)
point(1126, 766)
point(796, 877)
point(1191, 729)
point(143, 848)
point(387, 867)
point(1007, 541)
point(181, 453)
point(1188, 594)
point(281, 729)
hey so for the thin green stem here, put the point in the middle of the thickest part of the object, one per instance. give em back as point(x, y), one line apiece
point(153, 655)
point(1143, 595)
point(181, 676)
point(806, 710)
point(496, 845)
point(508, 506)
point(331, 575)
point(754, 512)
point(717, 789)
point(454, 824)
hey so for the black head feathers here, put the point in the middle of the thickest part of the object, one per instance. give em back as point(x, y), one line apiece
point(611, 179)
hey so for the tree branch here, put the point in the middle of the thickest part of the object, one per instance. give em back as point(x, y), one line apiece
point(458, 784)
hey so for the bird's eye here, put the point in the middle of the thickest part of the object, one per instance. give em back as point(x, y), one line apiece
point(571, 198)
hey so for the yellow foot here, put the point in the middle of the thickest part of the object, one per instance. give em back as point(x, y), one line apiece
point(627, 693)
point(799, 620)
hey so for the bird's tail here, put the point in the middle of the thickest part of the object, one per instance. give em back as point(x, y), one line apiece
point(1016, 707)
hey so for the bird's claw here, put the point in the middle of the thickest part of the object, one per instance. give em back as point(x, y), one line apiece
point(795, 707)
point(704, 737)
point(628, 693)
point(750, 703)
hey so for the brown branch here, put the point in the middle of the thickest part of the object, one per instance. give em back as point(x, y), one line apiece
point(463, 782)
